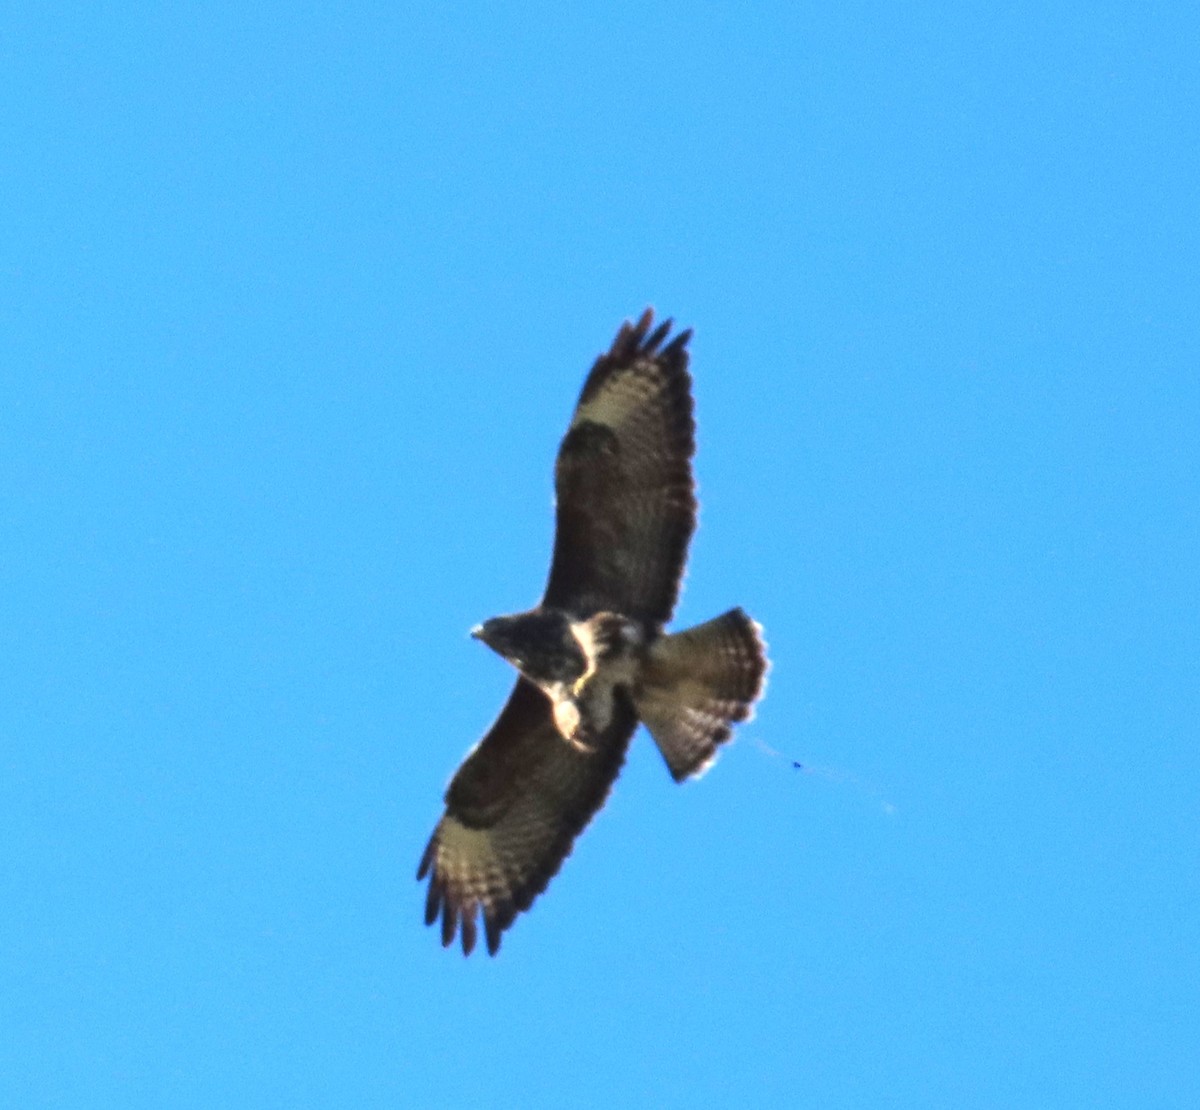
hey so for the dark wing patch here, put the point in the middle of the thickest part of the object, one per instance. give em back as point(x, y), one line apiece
point(626, 505)
point(513, 811)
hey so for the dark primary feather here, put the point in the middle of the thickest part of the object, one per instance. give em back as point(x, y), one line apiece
point(626, 505)
point(513, 811)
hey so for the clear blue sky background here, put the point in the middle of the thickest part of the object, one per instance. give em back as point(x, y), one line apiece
point(294, 305)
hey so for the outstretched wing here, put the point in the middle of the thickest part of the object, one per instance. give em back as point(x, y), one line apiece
point(626, 505)
point(513, 811)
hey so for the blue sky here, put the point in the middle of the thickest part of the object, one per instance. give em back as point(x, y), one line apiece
point(294, 305)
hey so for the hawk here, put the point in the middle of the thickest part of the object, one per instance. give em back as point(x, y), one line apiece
point(593, 658)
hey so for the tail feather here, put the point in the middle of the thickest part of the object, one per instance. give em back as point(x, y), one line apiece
point(697, 684)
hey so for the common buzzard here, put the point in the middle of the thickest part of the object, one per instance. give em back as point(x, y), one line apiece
point(593, 658)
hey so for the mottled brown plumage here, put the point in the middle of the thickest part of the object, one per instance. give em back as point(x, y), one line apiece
point(593, 656)
point(626, 502)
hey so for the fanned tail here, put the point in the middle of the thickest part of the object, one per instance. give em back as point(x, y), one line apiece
point(697, 684)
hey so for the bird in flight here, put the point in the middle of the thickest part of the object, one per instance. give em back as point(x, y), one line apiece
point(593, 658)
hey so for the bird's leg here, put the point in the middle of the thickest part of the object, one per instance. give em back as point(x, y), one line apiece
point(581, 745)
point(577, 687)
point(568, 721)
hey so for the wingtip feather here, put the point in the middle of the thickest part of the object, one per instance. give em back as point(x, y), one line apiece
point(449, 922)
point(677, 344)
point(433, 902)
point(468, 929)
point(426, 858)
point(493, 932)
point(657, 336)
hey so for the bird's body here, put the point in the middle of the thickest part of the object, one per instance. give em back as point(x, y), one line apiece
point(593, 658)
point(577, 664)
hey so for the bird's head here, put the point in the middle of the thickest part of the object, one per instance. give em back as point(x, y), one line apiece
point(538, 643)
